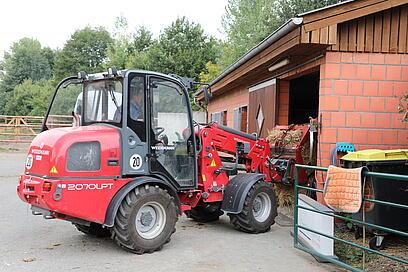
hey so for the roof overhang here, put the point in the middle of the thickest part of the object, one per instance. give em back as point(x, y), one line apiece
point(309, 34)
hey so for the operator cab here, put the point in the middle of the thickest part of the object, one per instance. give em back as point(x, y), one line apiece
point(151, 112)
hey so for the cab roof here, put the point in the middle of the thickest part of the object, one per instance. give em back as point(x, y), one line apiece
point(186, 82)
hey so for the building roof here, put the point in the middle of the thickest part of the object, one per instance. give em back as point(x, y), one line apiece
point(313, 31)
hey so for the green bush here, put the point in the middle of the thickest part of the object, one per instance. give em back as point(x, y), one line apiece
point(29, 98)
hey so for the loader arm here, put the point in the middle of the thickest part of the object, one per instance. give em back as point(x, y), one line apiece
point(217, 143)
point(247, 148)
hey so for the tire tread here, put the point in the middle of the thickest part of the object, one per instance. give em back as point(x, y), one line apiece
point(121, 234)
point(243, 220)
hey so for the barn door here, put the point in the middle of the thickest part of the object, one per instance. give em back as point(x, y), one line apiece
point(262, 108)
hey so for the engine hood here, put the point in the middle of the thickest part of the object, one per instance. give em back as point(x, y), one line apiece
point(48, 152)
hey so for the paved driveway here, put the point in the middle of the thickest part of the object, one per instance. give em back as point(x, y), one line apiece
point(31, 243)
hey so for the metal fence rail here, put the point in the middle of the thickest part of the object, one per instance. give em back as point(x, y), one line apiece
point(21, 129)
point(340, 263)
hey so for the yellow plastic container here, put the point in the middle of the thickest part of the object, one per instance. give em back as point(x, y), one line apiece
point(377, 155)
point(384, 189)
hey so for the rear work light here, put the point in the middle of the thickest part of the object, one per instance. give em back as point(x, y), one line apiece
point(47, 186)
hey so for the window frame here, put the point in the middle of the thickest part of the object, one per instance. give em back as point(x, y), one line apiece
point(241, 123)
point(84, 99)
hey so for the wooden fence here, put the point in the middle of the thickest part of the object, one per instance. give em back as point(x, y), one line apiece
point(22, 129)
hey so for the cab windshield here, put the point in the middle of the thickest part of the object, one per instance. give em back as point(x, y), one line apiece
point(77, 103)
point(102, 101)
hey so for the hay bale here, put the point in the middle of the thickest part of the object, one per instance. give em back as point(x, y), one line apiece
point(291, 139)
point(306, 154)
point(284, 195)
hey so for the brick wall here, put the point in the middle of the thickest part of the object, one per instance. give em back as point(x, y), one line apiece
point(228, 102)
point(283, 102)
point(359, 101)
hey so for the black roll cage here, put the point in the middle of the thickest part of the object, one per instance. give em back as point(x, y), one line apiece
point(44, 124)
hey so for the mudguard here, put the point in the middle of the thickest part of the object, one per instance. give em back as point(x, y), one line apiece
point(138, 181)
point(237, 190)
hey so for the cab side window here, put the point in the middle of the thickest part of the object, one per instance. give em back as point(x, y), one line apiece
point(136, 106)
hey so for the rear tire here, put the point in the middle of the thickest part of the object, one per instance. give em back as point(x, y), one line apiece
point(94, 229)
point(203, 214)
point(259, 211)
point(145, 220)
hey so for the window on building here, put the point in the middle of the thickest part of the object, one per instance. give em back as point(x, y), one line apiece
point(216, 117)
point(219, 117)
point(241, 118)
point(224, 118)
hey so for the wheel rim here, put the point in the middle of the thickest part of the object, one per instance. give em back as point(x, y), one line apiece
point(262, 207)
point(150, 220)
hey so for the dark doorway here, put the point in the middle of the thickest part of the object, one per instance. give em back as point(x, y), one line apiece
point(304, 98)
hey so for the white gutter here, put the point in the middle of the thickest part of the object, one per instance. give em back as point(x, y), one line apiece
point(276, 35)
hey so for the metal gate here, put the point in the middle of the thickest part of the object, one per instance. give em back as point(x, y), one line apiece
point(340, 263)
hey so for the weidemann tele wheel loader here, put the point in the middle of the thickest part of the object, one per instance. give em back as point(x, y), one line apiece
point(133, 160)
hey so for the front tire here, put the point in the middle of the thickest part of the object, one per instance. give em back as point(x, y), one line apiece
point(145, 220)
point(259, 211)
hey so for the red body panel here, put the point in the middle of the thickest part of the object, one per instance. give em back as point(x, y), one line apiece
point(85, 195)
point(53, 146)
point(215, 140)
point(87, 199)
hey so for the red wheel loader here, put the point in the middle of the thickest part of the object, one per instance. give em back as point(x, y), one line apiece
point(133, 160)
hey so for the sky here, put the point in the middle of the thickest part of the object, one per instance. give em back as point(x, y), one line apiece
point(52, 22)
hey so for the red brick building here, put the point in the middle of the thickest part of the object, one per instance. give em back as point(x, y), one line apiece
point(346, 64)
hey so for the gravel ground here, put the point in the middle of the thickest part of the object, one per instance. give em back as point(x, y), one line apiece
point(31, 243)
point(394, 245)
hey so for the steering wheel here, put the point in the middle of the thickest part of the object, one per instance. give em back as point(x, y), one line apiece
point(159, 136)
point(158, 130)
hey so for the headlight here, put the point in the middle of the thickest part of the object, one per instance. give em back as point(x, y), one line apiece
point(84, 156)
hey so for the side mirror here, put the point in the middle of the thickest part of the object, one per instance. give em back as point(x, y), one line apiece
point(207, 94)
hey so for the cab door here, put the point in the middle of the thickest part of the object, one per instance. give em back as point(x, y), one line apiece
point(171, 140)
point(134, 126)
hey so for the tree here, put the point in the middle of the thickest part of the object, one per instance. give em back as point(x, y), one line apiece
point(142, 39)
point(27, 60)
point(138, 60)
point(30, 98)
point(286, 9)
point(49, 54)
point(247, 22)
point(141, 44)
point(86, 50)
point(119, 50)
point(182, 49)
point(118, 54)
point(212, 70)
point(129, 49)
